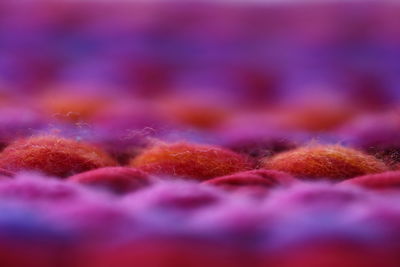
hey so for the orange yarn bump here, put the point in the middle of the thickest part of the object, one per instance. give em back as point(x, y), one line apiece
point(325, 161)
point(200, 162)
point(53, 155)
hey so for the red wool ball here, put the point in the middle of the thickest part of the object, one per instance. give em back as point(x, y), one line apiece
point(53, 155)
point(119, 180)
point(200, 162)
point(332, 162)
point(381, 181)
point(264, 179)
point(5, 173)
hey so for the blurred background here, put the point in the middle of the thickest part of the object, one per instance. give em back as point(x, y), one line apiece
point(252, 53)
